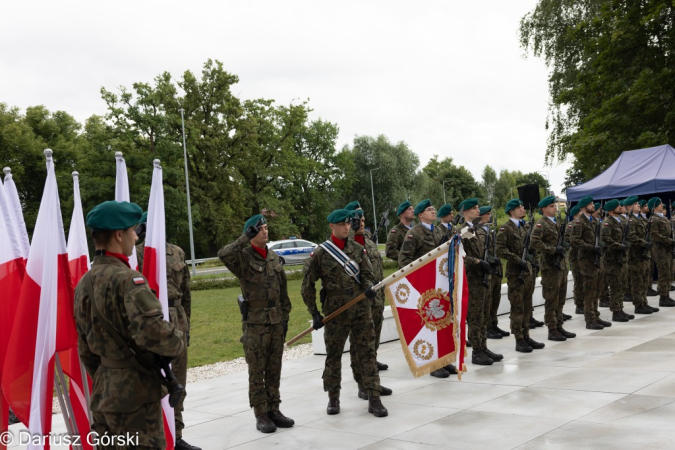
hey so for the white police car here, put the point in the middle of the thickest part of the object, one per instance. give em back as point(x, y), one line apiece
point(292, 251)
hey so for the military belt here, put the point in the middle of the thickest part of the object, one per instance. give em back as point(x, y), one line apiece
point(259, 304)
point(116, 363)
point(336, 292)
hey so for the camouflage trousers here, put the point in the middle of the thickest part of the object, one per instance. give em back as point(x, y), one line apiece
point(554, 290)
point(576, 290)
point(589, 288)
point(638, 271)
point(664, 264)
point(146, 422)
point(495, 297)
point(479, 311)
point(179, 368)
point(356, 322)
point(617, 287)
point(263, 348)
point(521, 305)
point(377, 313)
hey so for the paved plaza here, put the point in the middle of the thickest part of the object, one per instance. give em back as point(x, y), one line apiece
point(605, 389)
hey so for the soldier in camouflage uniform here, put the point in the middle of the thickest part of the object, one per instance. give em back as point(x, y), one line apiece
point(510, 246)
point(638, 257)
point(574, 267)
point(662, 250)
point(126, 395)
point(338, 289)
point(420, 240)
point(603, 286)
point(495, 288)
point(649, 264)
point(445, 216)
point(397, 234)
point(263, 286)
point(545, 237)
point(615, 261)
point(180, 308)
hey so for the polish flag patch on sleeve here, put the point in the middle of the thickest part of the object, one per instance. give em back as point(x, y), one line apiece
point(138, 280)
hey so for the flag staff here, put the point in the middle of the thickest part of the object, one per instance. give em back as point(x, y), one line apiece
point(64, 401)
point(187, 191)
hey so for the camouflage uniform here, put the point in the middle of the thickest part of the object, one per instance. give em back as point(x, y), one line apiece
point(395, 240)
point(340, 288)
point(510, 246)
point(419, 241)
point(180, 308)
point(662, 251)
point(638, 257)
point(479, 301)
point(553, 278)
point(582, 238)
point(615, 261)
point(574, 267)
point(123, 399)
point(263, 285)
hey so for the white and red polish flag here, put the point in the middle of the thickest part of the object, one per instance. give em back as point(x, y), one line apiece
point(122, 195)
point(12, 268)
point(15, 213)
point(429, 305)
point(79, 264)
point(154, 270)
point(44, 323)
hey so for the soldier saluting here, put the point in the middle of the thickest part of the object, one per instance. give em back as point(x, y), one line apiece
point(345, 272)
point(119, 325)
point(265, 310)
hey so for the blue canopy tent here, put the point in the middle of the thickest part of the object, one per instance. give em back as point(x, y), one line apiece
point(645, 173)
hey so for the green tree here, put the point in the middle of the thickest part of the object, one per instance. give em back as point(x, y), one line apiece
point(459, 183)
point(489, 182)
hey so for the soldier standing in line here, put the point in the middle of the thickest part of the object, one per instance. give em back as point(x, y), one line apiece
point(626, 215)
point(180, 308)
point(582, 238)
point(420, 240)
point(545, 237)
point(603, 286)
point(396, 236)
point(649, 280)
point(510, 246)
point(662, 250)
point(445, 215)
point(495, 288)
point(113, 305)
point(638, 255)
point(345, 272)
point(574, 267)
point(615, 259)
point(265, 309)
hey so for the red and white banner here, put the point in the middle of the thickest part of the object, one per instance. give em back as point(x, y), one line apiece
point(154, 270)
point(44, 322)
point(430, 311)
point(122, 195)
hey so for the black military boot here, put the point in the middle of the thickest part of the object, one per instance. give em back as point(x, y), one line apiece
point(594, 325)
point(604, 323)
point(554, 335)
point(522, 346)
point(468, 343)
point(666, 302)
point(479, 357)
point(496, 357)
point(604, 304)
point(502, 332)
point(376, 408)
point(579, 310)
point(643, 309)
point(651, 292)
point(628, 298)
point(566, 317)
point(534, 344)
point(534, 323)
point(567, 334)
point(672, 288)
point(385, 391)
point(280, 420)
point(630, 316)
point(440, 373)
point(381, 366)
point(363, 394)
point(653, 308)
point(265, 424)
point(619, 317)
point(333, 406)
point(452, 370)
point(182, 445)
point(493, 334)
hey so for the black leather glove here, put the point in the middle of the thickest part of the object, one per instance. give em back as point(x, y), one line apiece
point(370, 293)
point(485, 265)
point(317, 321)
point(253, 230)
point(560, 250)
point(522, 264)
point(284, 325)
point(356, 223)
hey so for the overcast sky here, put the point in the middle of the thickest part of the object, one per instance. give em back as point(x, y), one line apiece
point(446, 77)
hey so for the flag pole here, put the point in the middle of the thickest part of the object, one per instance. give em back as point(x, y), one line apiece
point(433, 254)
point(64, 401)
point(187, 191)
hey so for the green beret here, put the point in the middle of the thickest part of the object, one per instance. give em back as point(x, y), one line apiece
point(597, 205)
point(653, 202)
point(144, 218)
point(612, 205)
point(402, 207)
point(642, 203)
point(574, 211)
point(353, 205)
point(445, 210)
point(512, 204)
point(253, 221)
point(546, 201)
point(340, 216)
point(421, 206)
point(469, 203)
point(484, 209)
point(113, 216)
point(358, 212)
point(630, 200)
point(585, 201)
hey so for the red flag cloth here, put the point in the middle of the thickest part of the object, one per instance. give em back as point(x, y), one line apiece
point(154, 270)
point(429, 313)
point(44, 322)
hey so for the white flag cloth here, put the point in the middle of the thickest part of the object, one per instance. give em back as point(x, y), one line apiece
point(122, 195)
point(15, 213)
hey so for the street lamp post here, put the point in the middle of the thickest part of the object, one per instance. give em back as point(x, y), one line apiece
point(548, 181)
point(372, 191)
point(187, 190)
